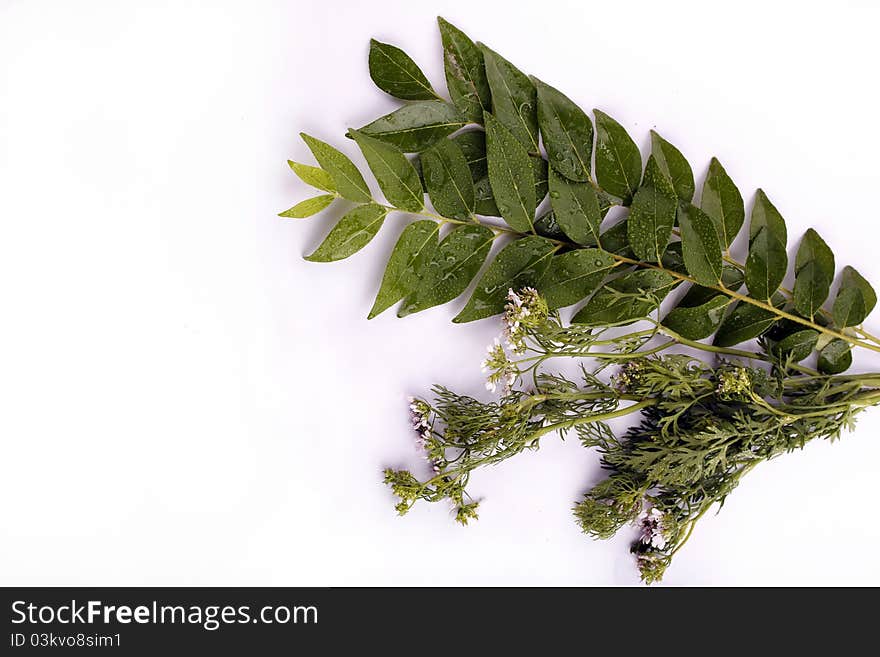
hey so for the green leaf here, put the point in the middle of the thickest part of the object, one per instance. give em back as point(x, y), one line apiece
point(514, 99)
point(521, 263)
point(575, 275)
point(313, 176)
point(835, 357)
point(395, 73)
point(765, 265)
point(465, 73)
point(540, 170)
point(510, 175)
point(767, 260)
point(699, 242)
point(618, 161)
point(626, 299)
point(746, 322)
point(814, 272)
point(722, 201)
point(855, 299)
point(547, 226)
point(484, 199)
point(309, 207)
point(396, 175)
point(652, 215)
point(452, 267)
point(416, 126)
point(353, 232)
point(697, 322)
point(414, 250)
point(765, 215)
point(615, 240)
point(798, 345)
point(674, 165)
point(567, 133)
point(473, 145)
point(348, 180)
point(449, 180)
point(576, 207)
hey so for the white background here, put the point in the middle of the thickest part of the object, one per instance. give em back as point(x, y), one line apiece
point(186, 401)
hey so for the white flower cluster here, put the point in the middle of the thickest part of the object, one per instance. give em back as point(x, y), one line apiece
point(500, 370)
point(654, 533)
point(419, 412)
point(521, 310)
point(734, 383)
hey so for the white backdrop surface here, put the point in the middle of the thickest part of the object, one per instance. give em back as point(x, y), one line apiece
point(186, 401)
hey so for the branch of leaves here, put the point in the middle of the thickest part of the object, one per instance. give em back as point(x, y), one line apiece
point(501, 172)
point(425, 271)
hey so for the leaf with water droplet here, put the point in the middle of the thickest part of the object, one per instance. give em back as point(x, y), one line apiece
point(514, 99)
point(835, 357)
point(414, 250)
point(797, 346)
point(521, 263)
point(700, 312)
point(627, 298)
point(308, 207)
point(465, 72)
point(575, 275)
point(722, 201)
point(814, 272)
point(697, 322)
point(449, 180)
point(510, 175)
point(540, 170)
point(416, 126)
point(746, 322)
point(348, 180)
point(547, 226)
point(767, 260)
point(650, 221)
point(615, 240)
point(674, 165)
point(618, 160)
point(473, 146)
point(451, 269)
point(576, 207)
point(567, 133)
point(396, 175)
point(313, 176)
point(353, 232)
point(700, 247)
point(395, 73)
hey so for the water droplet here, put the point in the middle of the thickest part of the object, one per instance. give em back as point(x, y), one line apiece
point(554, 194)
point(597, 262)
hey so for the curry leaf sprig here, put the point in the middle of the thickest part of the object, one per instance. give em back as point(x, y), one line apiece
point(512, 160)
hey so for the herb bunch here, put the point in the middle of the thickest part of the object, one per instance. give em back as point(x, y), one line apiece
point(513, 160)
